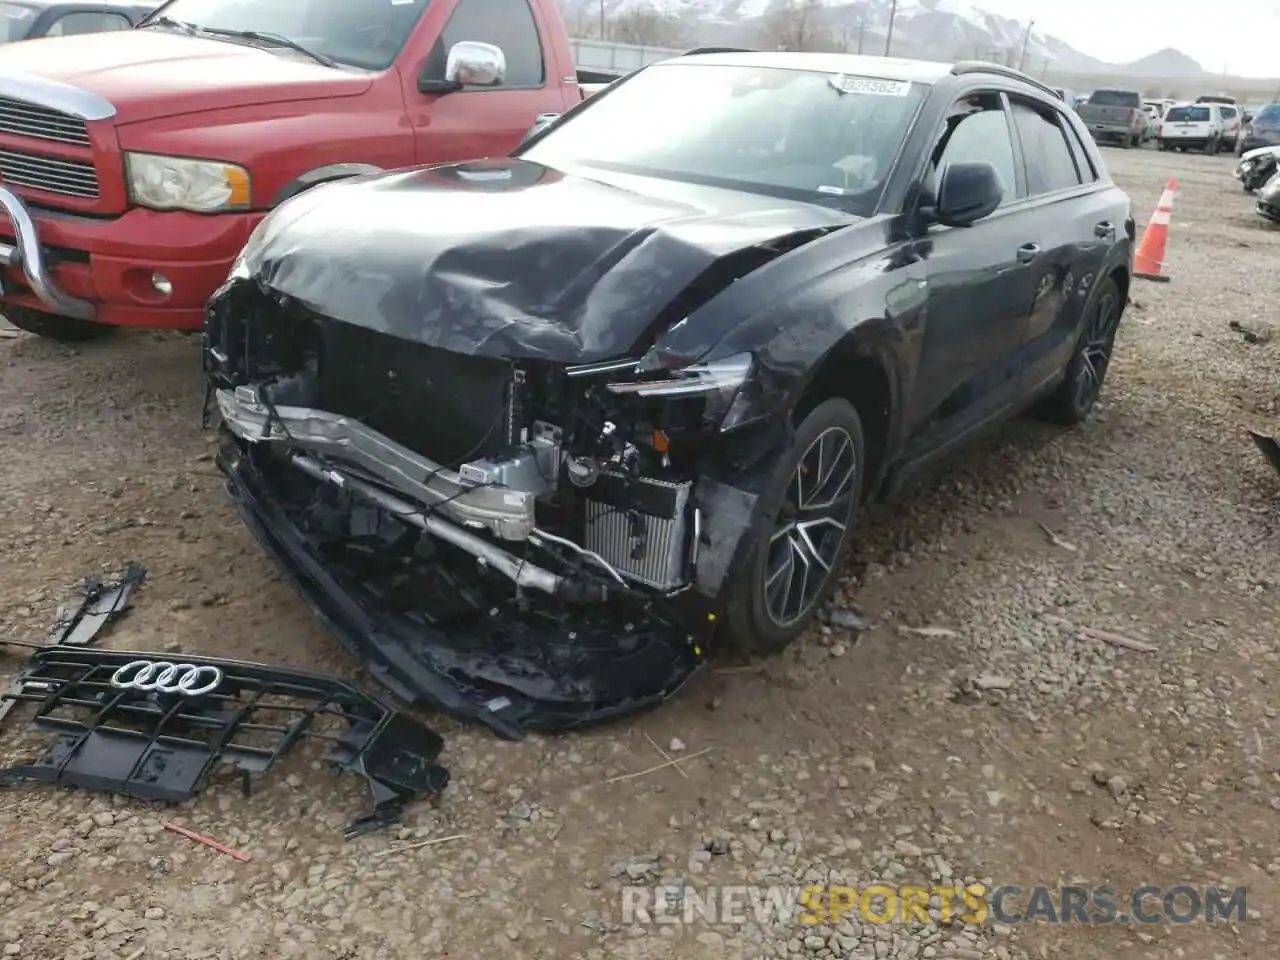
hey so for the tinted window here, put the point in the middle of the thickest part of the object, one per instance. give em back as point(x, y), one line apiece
point(507, 24)
point(802, 134)
point(1115, 98)
point(1228, 113)
point(984, 136)
point(1045, 152)
point(74, 24)
point(1187, 115)
point(1083, 161)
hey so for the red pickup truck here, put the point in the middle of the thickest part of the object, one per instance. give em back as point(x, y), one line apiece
point(134, 165)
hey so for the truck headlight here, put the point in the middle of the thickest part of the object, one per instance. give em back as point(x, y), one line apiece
point(178, 183)
point(718, 383)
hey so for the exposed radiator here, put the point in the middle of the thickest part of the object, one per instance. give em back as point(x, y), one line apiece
point(617, 508)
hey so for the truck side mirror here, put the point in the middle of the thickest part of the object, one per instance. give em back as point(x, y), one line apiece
point(470, 64)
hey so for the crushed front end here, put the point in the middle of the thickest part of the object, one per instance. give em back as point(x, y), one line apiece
point(534, 544)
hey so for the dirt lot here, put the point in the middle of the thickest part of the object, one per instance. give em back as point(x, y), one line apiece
point(852, 759)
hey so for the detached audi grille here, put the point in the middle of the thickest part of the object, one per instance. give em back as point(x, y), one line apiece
point(70, 178)
point(31, 120)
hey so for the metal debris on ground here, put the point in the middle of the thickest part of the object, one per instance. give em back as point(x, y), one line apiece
point(1117, 640)
point(182, 831)
point(1269, 447)
point(1056, 540)
point(141, 725)
point(654, 769)
point(102, 603)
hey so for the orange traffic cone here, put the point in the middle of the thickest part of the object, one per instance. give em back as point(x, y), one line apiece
point(1148, 262)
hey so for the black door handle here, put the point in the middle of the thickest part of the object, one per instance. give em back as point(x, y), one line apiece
point(1104, 230)
point(1028, 252)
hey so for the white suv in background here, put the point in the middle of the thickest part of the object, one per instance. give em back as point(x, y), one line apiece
point(1198, 126)
point(1231, 124)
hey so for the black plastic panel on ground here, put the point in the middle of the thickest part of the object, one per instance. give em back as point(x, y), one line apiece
point(158, 746)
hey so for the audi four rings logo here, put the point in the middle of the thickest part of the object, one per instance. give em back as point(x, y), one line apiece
point(160, 676)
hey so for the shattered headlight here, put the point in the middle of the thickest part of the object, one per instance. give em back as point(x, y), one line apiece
point(719, 383)
point(180, 183)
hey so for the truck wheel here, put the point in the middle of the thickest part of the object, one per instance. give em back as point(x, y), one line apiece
point(51, 326)
point(810, 501)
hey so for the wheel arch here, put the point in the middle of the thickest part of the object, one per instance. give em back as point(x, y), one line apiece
point(326, 174)
point(854, 370)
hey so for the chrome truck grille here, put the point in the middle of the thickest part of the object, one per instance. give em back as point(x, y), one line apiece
point(23, 119)
point(70, 178)
point(640, 528)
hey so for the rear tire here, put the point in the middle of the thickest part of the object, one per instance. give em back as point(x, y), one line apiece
point(810, 502)
point(51, 326)
point(1071, 402)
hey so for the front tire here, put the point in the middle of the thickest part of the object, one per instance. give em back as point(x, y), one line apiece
point(1087, 369)
point(810, 502)
point(51, 326)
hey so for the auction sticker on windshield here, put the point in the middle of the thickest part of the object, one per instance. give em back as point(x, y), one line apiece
point(871, 85)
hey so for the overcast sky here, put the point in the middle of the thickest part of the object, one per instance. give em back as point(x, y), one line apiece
point(1233, 36)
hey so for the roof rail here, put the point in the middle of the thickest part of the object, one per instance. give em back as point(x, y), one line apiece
point(690, 53)
point(982, 66)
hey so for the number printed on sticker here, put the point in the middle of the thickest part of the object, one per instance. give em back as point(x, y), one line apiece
point(871, 86)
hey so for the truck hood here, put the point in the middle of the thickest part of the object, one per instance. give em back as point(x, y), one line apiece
point(511, 258)
point(154, 73)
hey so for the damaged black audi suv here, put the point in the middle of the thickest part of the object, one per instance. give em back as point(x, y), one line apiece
point(534, 435)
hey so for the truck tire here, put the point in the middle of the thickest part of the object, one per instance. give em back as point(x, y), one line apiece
point(51, 326)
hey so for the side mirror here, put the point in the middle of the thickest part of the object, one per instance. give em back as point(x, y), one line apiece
point(544, 120)
point(967, 192)
point(470, 64)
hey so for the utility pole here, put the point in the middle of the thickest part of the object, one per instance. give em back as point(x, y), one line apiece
point(1026, 40)
point(888, 37)
point(602, 36)
point(862, 32)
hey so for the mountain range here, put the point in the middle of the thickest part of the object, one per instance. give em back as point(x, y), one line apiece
point(935, 29)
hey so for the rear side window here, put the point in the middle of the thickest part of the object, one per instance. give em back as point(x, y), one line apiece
point(1049, 163)
point(1187, 115)
point(1115, 98)
point(1228, 113)
point(509, 25)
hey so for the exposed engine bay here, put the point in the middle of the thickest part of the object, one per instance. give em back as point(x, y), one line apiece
point(560, 512)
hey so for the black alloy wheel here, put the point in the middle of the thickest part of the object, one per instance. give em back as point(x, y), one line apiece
point(810, 504)
point(1087, 369)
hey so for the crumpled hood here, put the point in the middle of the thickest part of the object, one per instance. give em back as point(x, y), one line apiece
point(507, 257)
point(154, 73)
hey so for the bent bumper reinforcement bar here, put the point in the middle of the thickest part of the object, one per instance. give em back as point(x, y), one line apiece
point(507, 513)
point(520, 571)
point(25, 254)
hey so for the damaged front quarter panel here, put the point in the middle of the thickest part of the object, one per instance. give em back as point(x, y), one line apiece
point(486, 453)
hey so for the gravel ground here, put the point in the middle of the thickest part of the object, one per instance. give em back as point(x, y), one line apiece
point(999, 748)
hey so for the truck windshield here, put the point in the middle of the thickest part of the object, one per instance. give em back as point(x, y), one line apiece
point(1114, 98)
point(367, 33)
point(797, 134)
point(15, 21)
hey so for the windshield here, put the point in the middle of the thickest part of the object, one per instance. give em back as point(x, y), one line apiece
point(1187, 115)
point(15, 21)
point(1268, 116)
point(795, 134)
point(367, 33)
